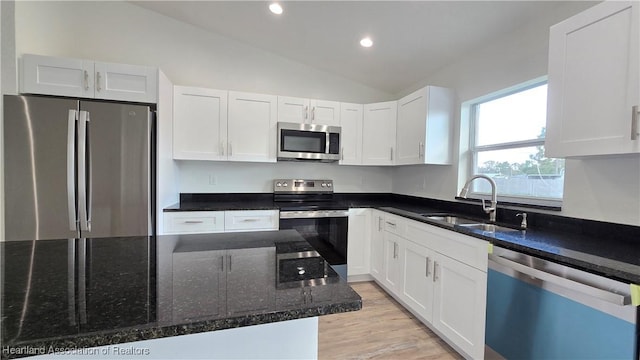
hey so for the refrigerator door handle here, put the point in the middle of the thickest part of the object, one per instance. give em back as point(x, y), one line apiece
point(89, 165)
point(82, 171)
point(71, 170)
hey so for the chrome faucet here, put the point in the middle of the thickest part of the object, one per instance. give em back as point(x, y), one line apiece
point(491, 210)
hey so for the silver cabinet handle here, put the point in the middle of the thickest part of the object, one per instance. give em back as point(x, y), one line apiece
point(427, 270)
point(421, 150)
point(86, 80)
point(71, 169)
point(379, 223)
point(193, 221)
point(635, 119)
point(391, 153)
point(435, 271)
point(222, 263)
point(306, 112)
point(313, 113)
point(250, 220)
point(98, 76)
point(342, 153)
point(229, 263)
point(395, 250)
point(230, 149)
point(391, 224)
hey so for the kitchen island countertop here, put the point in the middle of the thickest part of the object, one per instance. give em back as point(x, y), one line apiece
point(83, 293)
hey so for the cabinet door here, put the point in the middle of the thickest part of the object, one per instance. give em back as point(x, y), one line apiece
point(199, 123)
point(325, 112)
point(417, 285)
point(359, 242)
point(392, 263)
point(594, 82)
point(292, 109)
point(251, 128)
point(126, 82)
point(199, 285)
point(251, 220)
point(459, 304)
point(377, 245)
point(424, 126)
point(56, 76)
point(379, 133)
point(251, 274)
point(411, 126)
point(351, 136)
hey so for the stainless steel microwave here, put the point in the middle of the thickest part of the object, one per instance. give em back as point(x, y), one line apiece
point(308, 142)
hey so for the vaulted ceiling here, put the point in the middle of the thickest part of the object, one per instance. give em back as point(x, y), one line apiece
point(412, 39)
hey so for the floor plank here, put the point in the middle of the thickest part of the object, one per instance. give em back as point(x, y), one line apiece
point(383, 329)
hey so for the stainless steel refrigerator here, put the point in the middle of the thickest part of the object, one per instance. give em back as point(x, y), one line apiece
point(77, 168)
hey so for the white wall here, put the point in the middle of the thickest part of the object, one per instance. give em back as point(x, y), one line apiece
point(606, 189)
point(115, 31)
point(257, 177)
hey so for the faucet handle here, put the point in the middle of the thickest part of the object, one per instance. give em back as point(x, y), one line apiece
point(523, 224)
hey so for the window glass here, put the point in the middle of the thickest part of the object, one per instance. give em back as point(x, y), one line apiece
point(508, 146)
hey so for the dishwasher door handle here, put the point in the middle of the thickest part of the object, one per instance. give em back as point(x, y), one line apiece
point(608, 296)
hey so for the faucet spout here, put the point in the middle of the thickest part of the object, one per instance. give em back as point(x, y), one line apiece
point(491, 209)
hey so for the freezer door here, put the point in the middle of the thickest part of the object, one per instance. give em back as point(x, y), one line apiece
point(39, 167)
point(118, 165)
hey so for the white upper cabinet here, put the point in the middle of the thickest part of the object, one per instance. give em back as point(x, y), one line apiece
point(351, 136)
point(307, 111)
point(252, 127)
point(325, 112)
point(379, 133)
point(199, 123)
point(424, 127)
point(594, 82)
point(88, 79)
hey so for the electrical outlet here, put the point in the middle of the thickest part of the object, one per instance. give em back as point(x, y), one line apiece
point(213, 180)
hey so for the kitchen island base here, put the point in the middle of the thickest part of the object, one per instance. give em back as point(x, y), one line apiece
point(293, 339)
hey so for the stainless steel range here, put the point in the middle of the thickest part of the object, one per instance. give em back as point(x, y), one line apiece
point(309, 207)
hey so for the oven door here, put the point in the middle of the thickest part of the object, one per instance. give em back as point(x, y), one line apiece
point(325, 230)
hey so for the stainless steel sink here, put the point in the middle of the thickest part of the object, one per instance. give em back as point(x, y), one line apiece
point(452, 220)
point(489, 227)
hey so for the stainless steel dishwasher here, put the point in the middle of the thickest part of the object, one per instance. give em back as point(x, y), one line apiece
point(538, 309)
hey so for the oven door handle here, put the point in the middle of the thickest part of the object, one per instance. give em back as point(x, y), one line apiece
point(314, 214)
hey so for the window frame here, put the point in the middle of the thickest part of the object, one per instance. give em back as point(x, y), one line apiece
point(517, 200)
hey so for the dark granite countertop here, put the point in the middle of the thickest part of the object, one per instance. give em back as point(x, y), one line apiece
point(81, 293)
point(599, 247)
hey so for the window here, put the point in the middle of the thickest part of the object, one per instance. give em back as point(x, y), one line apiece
point(507, 144)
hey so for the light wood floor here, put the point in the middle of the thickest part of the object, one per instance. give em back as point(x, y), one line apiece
point(381, 330)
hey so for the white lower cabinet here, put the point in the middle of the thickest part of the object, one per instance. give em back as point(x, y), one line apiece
point(359, 242)
point(459, 304)
point(197, 222)
point(377, 244)
point(438, 275)
point(392, 266)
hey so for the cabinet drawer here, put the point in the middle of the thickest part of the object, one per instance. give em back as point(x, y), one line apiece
point(465, 249)
point(251, 220)
point(394, 224)
point(185, 222)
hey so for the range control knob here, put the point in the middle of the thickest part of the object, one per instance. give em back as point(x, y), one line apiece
point(329, 184)
point(285, 184)
point(278, 184)
point(323, 184)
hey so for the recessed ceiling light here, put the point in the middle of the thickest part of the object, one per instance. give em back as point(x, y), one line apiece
point(366, 42)
point(275, 8)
